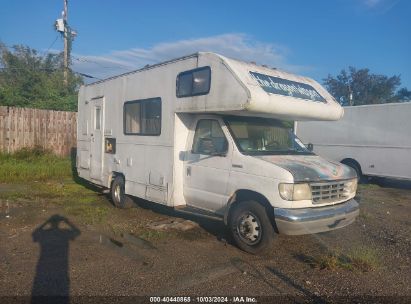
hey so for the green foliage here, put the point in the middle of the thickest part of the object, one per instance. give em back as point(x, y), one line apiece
point(403, 94)
point(151, 235)
point(89, 213)
point(365, 88)
point(76, 200)
point(28, 79)
point(30, 154)
point(361, 259)
point(33, 164)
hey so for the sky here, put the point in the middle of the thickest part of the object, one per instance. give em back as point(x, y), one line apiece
point(311, 38)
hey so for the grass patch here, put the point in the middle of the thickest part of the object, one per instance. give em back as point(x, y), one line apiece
point(364, 259)
point(55, 192)
point(152, 235)
point(15, 195)
point(66, 188)
point(89, 206)
point(89, 214)
point(33, 164)
point(361, 259)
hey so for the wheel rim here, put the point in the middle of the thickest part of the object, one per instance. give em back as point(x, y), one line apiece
point(117, 193)
point(249, 228)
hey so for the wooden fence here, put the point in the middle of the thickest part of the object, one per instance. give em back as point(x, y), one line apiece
point(24, 127)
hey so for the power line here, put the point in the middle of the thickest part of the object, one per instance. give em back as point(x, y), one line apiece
point(118, 65)
point(20, 69)
point(51, 45)
point(79, 59)
point(13, 47)
point(51, 70)
point(98, 63)
point(86, 75)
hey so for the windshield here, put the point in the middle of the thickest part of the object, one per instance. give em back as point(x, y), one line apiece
point(265, 136)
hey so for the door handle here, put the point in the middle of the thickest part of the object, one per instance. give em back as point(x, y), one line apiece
point(188, 171)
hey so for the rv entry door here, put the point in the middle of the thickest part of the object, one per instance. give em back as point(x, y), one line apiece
point(96, 138)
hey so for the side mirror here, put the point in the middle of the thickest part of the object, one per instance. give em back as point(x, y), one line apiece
point(310, 147)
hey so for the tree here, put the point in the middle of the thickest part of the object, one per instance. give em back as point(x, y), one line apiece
point(28, 79)
point(403, 95)
point(358, 87)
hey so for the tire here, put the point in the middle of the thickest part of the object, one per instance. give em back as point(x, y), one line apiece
point(251, 228)
point(357, 170)
point(118, 196)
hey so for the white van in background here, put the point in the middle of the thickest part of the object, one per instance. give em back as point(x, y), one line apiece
point(375, 140)
point(215, 137)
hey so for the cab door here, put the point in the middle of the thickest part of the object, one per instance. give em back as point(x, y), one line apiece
point(207, 165)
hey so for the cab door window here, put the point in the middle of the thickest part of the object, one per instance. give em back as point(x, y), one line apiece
point(209, 138)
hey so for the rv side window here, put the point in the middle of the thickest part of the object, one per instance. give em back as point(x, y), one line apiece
point(194, 82)
point(209, 138)
point(84, 127)
point(142, 117)
point(97, 118)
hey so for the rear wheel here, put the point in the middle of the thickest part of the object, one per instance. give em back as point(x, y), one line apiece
point(251, 227)
point(118, 196)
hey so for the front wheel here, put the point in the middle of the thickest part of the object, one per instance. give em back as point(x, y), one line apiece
point(251, 228)
point(118, 195)
point(357, 170)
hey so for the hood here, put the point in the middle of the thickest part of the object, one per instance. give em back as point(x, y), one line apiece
point(311, 168)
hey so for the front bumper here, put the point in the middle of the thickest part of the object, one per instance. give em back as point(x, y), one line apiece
point(315, 219)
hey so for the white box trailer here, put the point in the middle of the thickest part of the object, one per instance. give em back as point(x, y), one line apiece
point(214, 136)
point(375, 140)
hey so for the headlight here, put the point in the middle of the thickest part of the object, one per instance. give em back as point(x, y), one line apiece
point(295, 192)
point(352, 186)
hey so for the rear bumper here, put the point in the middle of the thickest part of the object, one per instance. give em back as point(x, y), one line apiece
point(316, 219)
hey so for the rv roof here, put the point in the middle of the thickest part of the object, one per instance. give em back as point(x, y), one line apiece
point(148, 67)
point(251, 89)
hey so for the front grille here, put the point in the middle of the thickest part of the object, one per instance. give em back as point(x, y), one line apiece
point(329, 192)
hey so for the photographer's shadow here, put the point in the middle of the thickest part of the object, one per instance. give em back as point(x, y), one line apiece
point(52, 278)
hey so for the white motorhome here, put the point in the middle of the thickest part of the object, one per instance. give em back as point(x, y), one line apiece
point(214, 136)
point(375, 140)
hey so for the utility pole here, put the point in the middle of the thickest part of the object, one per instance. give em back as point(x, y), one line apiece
point(66, 46)
point(350, 95)
point(68, 34)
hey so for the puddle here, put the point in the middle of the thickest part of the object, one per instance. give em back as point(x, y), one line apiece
point(12, 187)
point(10, 209)
point(4, 209)
point(7, 209)
point(123, 249)
point(176, 224)
point(136, 241)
